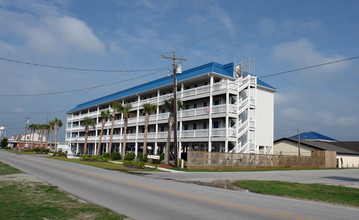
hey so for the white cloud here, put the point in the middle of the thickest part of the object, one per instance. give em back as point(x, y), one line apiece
point(330, 119)
point(50, 34)
point(6, 48)
point(282, 98)
point(291, 114)
point(301, 53)
point(75, 33)
point(223, 17)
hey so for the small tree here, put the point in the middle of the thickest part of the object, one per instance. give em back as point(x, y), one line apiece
point(147, 109)
point(104, 115)
point(4, 142)
point(87, 122)
point(126, 112)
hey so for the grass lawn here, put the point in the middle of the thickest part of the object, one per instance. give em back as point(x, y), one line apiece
point(20, 152)
point(318, 192)
point(23, 199)
point(105, 165)
point(6, 169)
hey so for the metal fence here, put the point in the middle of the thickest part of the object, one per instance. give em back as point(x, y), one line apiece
point(216, 160)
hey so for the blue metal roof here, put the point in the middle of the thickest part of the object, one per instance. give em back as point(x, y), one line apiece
point(313, 136)
point(226, 70)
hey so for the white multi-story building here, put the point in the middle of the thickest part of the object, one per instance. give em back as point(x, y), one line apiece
point(226, 110)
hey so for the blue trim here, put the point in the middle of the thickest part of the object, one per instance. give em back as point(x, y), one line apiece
point(226, 70)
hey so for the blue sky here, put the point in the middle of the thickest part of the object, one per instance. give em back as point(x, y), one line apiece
point(279, 34)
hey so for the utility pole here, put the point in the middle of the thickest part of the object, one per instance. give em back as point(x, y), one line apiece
point(174, 58)
point(26, 125)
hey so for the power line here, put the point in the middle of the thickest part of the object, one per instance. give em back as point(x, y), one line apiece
point(309, 67)
point(78, 69)
point(77, 90)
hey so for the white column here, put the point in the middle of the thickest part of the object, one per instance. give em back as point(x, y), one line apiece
point(121, 131)
point(237, 115)
point(96, 134)
point(138, 115)
point(210, 114)
point(180, 125)
point(156, 125)
point(227, 117)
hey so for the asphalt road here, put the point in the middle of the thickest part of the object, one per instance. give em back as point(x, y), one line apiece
point(144, 197)
point(336, 177)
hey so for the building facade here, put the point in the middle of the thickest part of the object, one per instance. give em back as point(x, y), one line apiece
point(225, 110)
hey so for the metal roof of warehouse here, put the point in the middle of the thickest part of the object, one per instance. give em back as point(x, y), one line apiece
point(226, 70)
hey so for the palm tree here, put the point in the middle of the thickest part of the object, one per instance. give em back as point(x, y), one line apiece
point(52, 127)
point(115, 107)
point(47, 128)
point(58, 124)
point(147, 109)
point(104, 115)
point(38, 128)
point(169, 104)
point(42, 129)
point(126, 112)
point(87, 122)
point(32, 130)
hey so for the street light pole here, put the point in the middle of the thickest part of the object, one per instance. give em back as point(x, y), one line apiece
point(174, 58)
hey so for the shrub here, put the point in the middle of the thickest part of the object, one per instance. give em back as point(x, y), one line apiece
point(130, 156)
point(116, 156)
point(46, 151)
point(106, 155)
point(105, 159)
point(142, 164)
point(144, 158)
point(95, 158)
point(86, 157)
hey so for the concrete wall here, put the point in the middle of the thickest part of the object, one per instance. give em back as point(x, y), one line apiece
point(264, 117)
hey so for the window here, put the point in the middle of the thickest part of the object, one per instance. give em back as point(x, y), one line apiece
point(215, 124)
point(216, 102)
point(205, 104)
point(205, 83)
point(205, 125)
point(186, 127)
point(217, 80)
point(187, 107)
point(196, 85)
point(163, 110)
point(188, 87)
point(194, 105)
point(162, 128)
point(143, 130)
point(194, 126)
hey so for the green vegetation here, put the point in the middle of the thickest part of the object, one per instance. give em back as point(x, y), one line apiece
point(6, 169)
point(318, 192)
point(3, 142)
point(21, 152)
point(36, 200)
point(104, 165)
